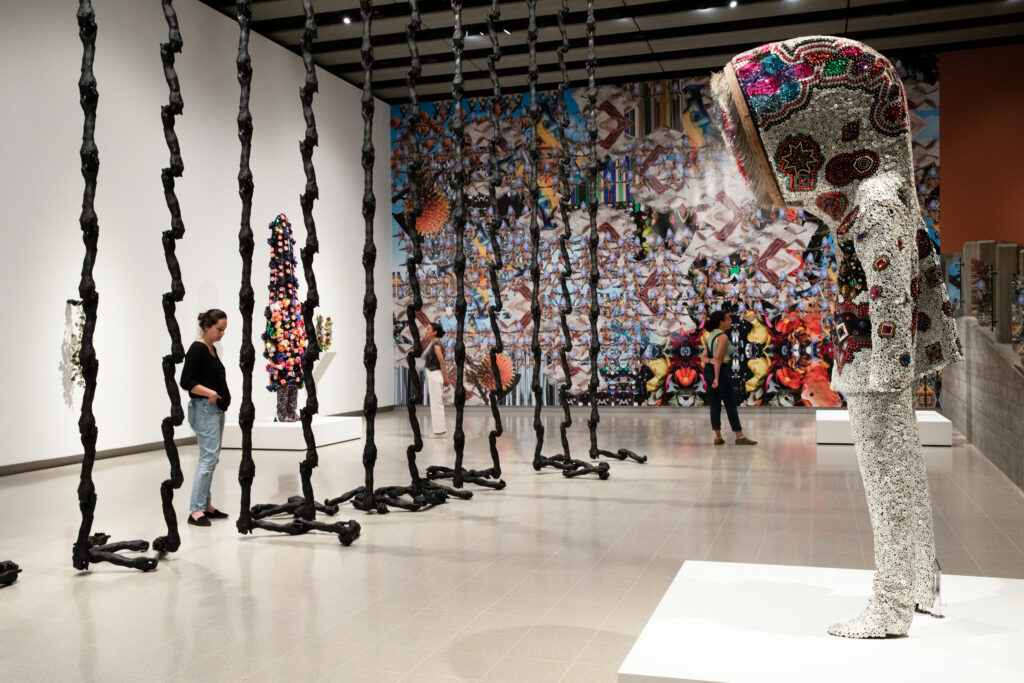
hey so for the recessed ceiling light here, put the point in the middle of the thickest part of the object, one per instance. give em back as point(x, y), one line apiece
point(733, 3)
point(507, 32)
point(347, 20)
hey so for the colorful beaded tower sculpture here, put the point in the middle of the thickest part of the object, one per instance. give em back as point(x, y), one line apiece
point(284, 340)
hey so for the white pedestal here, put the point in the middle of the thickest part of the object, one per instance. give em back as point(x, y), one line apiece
point(287, 436)
point(725, 621)
point(833, 426)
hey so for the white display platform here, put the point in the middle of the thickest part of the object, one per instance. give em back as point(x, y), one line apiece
point(722, 621)
point(287, 436)
point(833, 426)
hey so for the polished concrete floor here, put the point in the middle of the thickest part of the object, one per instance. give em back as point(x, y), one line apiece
point(550, 579)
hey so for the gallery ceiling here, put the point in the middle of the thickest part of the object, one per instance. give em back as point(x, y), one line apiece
point(636, 39)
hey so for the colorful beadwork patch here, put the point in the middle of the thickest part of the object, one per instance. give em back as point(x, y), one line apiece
point(947, 308)
point(887, 329)
point(905, 360)
point(843, 169)
point(780, 79)
point(933, 352)
point(933, 277)
point(876, 292)
point(881, 262)
point(924, 323)
point(915, 289)
point(924, 243)
point(856, 323)
point(799, 158)
point(841, 332)
point(847, 223)
point(832, 203)
point(899, 243)
point(851, 131)
point(851, 278)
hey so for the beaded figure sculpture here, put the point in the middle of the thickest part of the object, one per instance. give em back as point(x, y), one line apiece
point(285, 337)
point(821, 123)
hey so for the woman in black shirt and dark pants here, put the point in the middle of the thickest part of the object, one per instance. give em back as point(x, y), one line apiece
point(204, 379)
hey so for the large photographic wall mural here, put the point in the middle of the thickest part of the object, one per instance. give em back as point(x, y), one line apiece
point(680, 236)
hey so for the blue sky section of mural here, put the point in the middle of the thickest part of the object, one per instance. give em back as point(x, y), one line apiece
point(679, 236)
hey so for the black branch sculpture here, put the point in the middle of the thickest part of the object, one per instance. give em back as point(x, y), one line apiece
point(592, 191)
point(304, 508)
point(419, 494)
point(95, 547)
point(562, 461)
point(500, 387)
point(246, 244)
point(488, 478)
point(174, 107)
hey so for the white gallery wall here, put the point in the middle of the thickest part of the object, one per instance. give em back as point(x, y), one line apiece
point(41, 192)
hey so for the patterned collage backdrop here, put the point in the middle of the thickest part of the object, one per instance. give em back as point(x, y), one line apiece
point(679, 237)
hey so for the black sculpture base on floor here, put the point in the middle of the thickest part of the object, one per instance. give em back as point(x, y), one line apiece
point(622, 454)
point(346, 531)
point(571, 467)
point(486, 478)
point(101, 550)
point(8, 573)
point(263, 510)
point(428, 496)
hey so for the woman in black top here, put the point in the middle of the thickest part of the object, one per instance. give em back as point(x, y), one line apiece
point(204, 379)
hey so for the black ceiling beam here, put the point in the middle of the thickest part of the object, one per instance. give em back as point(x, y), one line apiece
point(864, 36)
point(692, 73)
point(543, 21)
point(886, 9)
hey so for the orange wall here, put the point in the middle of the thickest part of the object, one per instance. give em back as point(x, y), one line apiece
point(981, 137)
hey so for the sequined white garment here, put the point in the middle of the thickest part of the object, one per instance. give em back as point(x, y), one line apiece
point(892, 466)
point(820, 123)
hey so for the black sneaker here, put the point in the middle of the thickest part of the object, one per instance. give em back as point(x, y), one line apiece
point(216, 514)
point(202, 521)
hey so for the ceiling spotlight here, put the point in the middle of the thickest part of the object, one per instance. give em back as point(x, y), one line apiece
point(733, 3)
point(507, 32)
point(346, 20)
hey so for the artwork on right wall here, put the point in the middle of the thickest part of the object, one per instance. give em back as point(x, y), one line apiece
point(1017, 315)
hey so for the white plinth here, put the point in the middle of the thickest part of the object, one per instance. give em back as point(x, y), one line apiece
point(287, 436)
point(833, 426)
point(724, 621)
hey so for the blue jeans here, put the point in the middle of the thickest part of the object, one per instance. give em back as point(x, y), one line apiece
point(207, 421)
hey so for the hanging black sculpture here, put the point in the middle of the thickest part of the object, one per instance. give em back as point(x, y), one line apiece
point(458, 474)
point(175, 169)
point(592, 174)
point(422, 494)
point(304, 509)
point(96, 547)
point(500, 387)
point(246, 244)
point(562, 461)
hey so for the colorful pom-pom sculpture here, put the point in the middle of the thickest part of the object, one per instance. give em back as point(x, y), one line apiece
point(284, 339)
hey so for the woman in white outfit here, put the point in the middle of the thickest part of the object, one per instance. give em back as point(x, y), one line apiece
point(437, 377)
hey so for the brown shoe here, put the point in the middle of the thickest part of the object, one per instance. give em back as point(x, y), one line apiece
point(719, 442)
point(745, 441)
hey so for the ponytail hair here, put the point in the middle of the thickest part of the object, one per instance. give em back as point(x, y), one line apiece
point(714, 320)
point(211, 317)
